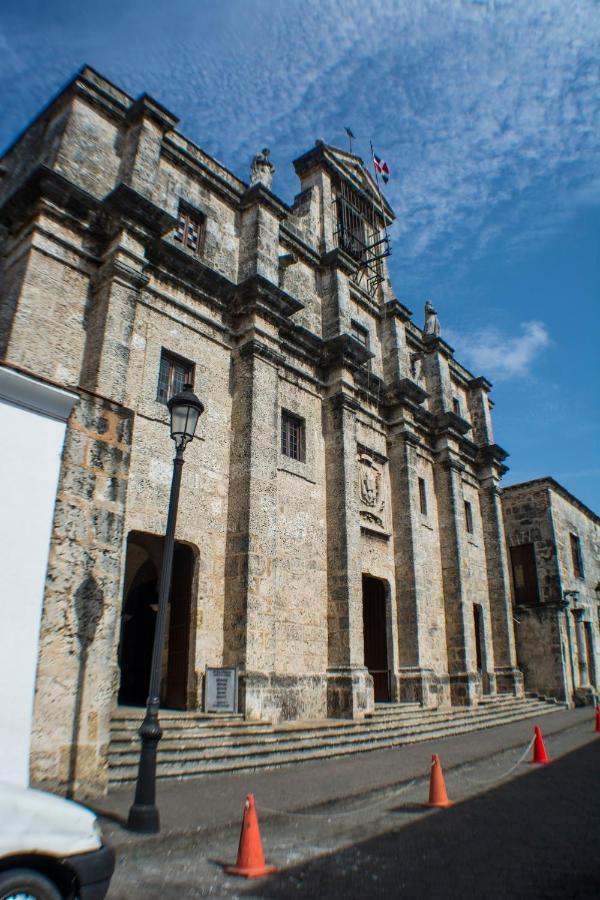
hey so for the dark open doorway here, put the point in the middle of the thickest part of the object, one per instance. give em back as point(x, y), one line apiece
point(138, 622)
point(375, 636)
point(480, 658)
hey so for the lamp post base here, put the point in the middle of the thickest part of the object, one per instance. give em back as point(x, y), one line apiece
point(145, 819)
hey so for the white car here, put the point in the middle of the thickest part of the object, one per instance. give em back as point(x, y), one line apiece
point(50, 848)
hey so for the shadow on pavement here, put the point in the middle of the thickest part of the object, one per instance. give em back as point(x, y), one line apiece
point(537, 836)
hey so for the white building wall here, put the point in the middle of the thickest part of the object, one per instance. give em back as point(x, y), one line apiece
point(32, 429)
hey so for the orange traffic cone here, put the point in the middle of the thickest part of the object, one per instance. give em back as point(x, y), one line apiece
point(597, 728)
point(437, 785)
point(250, 857)
point(539, 751)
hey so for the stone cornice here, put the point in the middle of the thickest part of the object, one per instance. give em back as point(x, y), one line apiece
point(424, 418)
point(124, 201)
point(302, 341)
point(491, 454)
point(256, 348)
point(395, 309)
point(117, 270)
point(188, 268)
point(45, 183)
point(146, 107)
point(449, 422)
point(342, 400)
point(259, 195)
point(432, 342)
point(288, 237)
point(345, 349)
point(338, 259)
point(404, 390)
point(258, 293)
point(198, 170)
point(480, 383)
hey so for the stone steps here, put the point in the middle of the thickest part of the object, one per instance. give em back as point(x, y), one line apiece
point(330, 730)
point(188, 751)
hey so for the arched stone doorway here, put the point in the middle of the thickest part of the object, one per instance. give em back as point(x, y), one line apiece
point(138, 622)
point(376, 636)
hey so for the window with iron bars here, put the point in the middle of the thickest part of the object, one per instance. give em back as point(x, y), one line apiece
point(293, 436)
point(173, 374)
point(357, 233)
point(190, 229)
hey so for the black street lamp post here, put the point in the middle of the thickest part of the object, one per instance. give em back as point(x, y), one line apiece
point(185, 409)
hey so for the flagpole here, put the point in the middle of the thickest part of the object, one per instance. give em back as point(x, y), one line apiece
point(379, 191)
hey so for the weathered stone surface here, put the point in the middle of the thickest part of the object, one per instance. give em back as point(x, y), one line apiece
point(557, 636)
point(273, 317)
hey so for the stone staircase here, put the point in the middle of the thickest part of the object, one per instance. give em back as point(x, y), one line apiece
point(196, 744)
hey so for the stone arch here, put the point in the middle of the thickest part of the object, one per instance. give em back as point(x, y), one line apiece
point(138, 622)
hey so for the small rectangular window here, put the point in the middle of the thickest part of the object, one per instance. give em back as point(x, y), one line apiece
point(456, 405)
point(190, 230)
point(360, 333)
point(576, 556)
point(293, 443)
point(174, 373)
point(468, 517)
point(423, 496)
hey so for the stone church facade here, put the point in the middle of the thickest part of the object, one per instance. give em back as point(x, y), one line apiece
point(340, 536)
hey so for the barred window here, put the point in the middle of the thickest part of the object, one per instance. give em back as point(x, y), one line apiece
point(576, 556)
point(190, 229)
point(423, 496)
point(293, 442)
point(173, 374)
point(468, 517)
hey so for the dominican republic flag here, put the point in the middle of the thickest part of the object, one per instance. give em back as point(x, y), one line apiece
point(382, 167)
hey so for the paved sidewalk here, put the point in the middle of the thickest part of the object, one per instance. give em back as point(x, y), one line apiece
point(216, 801)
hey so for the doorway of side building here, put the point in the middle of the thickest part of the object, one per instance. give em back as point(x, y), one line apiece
point(589, 649)
point(138, 622)
point(375, 636)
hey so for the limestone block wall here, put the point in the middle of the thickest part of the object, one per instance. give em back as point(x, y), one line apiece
point(571, 519)
point(45, 299)
point(541, 512)
point(75, 685)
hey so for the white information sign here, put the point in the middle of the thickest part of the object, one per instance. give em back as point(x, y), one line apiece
point(221, 690)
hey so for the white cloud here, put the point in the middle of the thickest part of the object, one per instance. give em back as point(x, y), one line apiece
point(501, 356)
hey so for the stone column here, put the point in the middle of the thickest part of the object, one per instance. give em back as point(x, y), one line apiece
point(509, 678)
point(414, 680)
point(250, 592)
point(140, 159)
point(349, 685)
point(464, 680)
point(115, 293)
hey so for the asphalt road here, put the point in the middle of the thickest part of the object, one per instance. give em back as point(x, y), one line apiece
point(535, 835)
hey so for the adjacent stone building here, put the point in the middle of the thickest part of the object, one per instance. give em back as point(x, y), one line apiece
point(554, 547)
point(340, 536)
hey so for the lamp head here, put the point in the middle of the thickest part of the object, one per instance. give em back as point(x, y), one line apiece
point(185, 409)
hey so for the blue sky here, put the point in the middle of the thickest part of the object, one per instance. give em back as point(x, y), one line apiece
point(488, 114)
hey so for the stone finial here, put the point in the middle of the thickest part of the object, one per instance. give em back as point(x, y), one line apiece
point(432, 323)
point(262, 169)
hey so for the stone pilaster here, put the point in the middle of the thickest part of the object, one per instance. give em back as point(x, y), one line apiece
point(250, 592)
point(114, 296)
point(261, 213)
point(349, 685)
point(416, 681)
point(464, 680)
point(509, 679)
point(148, 122)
